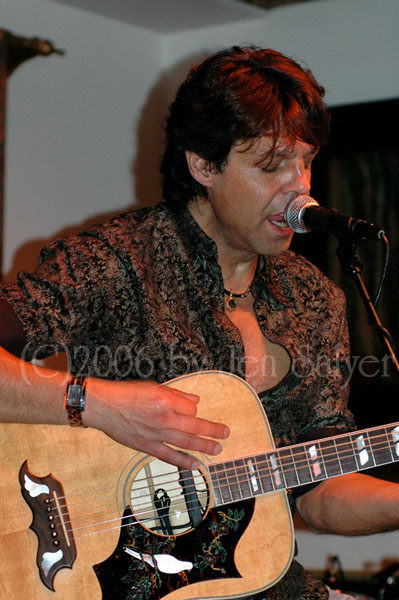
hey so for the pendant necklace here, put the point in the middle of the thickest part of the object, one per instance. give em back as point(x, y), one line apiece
point(231, 304)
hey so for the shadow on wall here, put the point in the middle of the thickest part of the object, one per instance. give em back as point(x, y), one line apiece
point(147, 185)
point(146, 180)
point(26, 256)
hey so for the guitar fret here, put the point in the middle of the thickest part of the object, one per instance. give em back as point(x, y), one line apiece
point(339, 462)
point(346, 454)
point(288, 467)
point(315, 460)
point(394, 445)
point(265, 474)
point(242, 479)
point(294, 468)
point(217, 491)
point(381, 448)
point(392, 454)
point(331, 461)
point(363, 452)
point(277, 474)
point(225, 484)
point(302, 467)
point(253, 477)
point(233, 481)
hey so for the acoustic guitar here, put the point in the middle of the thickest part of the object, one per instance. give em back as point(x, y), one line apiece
point(85, 518)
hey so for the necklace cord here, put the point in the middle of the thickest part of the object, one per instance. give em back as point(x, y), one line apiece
point(230, 302)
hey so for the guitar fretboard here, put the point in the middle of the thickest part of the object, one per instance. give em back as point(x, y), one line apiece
point(293, 466)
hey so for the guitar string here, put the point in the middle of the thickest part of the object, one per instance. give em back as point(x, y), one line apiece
point(236, 477)
point(297, 464)
point(348, 440)
point(264, 455)
point(237, 484)
point(121, 526)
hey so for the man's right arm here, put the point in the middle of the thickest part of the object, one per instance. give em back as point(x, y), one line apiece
point(143, 415)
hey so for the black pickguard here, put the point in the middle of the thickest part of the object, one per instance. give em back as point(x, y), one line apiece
point(210, 547)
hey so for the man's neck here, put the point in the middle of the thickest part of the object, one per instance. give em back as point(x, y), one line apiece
point(238, 266)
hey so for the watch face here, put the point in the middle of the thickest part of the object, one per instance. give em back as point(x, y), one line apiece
point(74, 397)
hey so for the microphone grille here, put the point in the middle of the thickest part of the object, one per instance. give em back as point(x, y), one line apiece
point(294, 210)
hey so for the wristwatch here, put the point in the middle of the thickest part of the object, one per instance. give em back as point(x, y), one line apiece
point(75, 401)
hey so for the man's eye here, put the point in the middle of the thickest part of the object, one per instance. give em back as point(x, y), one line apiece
point(271, 168)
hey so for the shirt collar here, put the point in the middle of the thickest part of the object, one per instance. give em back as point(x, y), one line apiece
point(201, 249)
point(270, 283)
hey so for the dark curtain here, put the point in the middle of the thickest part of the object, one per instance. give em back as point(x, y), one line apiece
point(3, 79)
point(14, 50)
point(358, 175)
point(367, 182)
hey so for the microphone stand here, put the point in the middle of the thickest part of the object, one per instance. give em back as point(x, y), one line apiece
point(352, 266)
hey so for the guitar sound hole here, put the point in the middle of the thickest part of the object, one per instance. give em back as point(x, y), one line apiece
point(167, 500)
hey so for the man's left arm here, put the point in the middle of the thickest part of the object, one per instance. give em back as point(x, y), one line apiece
point(353, 504)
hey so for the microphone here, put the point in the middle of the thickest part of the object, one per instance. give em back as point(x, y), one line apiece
point(304, 214)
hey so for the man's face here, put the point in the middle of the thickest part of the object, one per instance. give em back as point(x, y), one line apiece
point(249, 196)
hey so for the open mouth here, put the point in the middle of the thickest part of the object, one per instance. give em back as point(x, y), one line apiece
point(279, 221)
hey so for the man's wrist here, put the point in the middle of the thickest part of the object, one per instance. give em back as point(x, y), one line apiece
point(75, 400)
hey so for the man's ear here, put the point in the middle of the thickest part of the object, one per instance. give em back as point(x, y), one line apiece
point(200, 168)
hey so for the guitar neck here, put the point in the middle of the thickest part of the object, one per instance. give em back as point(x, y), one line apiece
point(293, 466)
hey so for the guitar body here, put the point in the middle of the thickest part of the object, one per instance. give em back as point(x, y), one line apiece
point(113, 549)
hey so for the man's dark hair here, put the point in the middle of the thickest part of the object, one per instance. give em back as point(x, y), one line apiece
point(238, 94)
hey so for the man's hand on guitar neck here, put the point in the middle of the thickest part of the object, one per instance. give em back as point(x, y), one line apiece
point(147, 416)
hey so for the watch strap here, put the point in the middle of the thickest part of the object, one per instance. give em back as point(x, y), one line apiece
point(75, 401)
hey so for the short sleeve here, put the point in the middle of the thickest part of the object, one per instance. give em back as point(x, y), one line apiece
point(69, 297)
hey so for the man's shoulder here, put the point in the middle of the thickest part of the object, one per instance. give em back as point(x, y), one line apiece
point(139, 217)
point(137, 224)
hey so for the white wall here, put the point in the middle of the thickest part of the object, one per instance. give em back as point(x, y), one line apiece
point(365, 553)
point(72, 122)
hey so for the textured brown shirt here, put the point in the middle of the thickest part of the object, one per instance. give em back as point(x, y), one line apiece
point(142, 297)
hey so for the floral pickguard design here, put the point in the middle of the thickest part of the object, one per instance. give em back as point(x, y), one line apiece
point(209, 547)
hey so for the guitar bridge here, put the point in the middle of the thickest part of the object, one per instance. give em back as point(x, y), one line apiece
point(51, 523)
